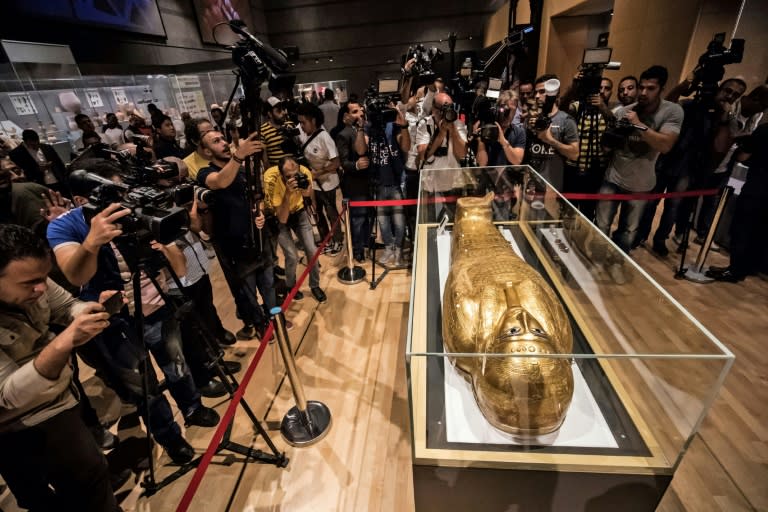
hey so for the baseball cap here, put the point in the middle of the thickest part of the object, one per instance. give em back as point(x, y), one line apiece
point(273, 102)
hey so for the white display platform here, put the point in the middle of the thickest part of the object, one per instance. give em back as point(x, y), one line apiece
point(584, 424)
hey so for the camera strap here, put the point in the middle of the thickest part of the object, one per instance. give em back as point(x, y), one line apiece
point(310, 139)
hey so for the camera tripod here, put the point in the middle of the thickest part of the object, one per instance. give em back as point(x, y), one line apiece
point(151, 265)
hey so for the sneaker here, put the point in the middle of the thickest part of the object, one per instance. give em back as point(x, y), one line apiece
point(103, 437)
point(714, 247)
point(202, 417)
point(279, 271)
point(387, 257)
point(359, 256)
point(319, 294)
point(398, 258)
point(298, 296)
point(698, 240)
point(678, 239)
point(248, 332)
point(212, 389)
point(336, 248)
point(180, 451)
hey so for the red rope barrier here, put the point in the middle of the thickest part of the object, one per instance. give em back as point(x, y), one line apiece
point(186, 500)
point(194, 484)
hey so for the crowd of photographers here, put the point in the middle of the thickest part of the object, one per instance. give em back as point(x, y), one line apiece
point(104, 258)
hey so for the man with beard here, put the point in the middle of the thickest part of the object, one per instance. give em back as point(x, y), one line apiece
point(273, 132)
point(627, 91)
point(632, 167)
point(245, 254)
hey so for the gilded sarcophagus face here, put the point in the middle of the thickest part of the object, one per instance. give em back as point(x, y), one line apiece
point(495, 303)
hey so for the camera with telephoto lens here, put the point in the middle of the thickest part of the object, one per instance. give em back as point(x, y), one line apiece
point(205, 196)
point(448, 112)
point(489, 112)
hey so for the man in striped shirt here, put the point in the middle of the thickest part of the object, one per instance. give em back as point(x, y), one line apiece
point(275, 141)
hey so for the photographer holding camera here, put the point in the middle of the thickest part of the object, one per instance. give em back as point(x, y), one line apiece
point(509, 146)
point(288, 194)
point(244, 262)
point(655, 125)
point(88, 257)
point(351, 144)
point(49, 458)
point(552, 137)
point(441, 139)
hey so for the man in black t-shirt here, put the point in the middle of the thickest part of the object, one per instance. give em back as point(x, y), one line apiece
point(245, 254)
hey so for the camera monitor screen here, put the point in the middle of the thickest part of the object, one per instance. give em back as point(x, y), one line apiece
point(387, 86)
point(494, 85)
point(597, 56)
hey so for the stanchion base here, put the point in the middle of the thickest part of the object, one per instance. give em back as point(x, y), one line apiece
point(697, 277)
point(295, 430)
point(353, 276)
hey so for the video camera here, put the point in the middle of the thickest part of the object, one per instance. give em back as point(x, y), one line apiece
point(378, 100)
point(153, 216)
point(710, 70)
point(616, 135)
point(593, 63)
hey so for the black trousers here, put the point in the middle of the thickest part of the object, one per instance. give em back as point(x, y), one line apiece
point(205, 314)
point(59, 452)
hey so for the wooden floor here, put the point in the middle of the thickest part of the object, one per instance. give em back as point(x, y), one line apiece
point(350, 355)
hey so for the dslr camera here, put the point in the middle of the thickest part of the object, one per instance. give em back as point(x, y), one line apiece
point(424, 58)
point(616, 135)
point(301, 180)
point(489, 112)
point(448, 112)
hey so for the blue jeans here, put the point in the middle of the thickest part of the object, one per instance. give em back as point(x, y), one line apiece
point(299, 224)
point(245, 276)
point(668, 215)
point(163, 338)
point(629, 217)
point(391, 218)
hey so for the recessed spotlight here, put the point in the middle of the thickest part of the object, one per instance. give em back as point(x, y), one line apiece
point(317, 61)
point(330, 59)
point(293, 64)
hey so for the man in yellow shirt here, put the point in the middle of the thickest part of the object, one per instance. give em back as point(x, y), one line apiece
point(196, 160)
point(288, 195)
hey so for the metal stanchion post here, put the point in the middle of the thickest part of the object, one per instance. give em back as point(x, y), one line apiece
point(308, 421)
point(696, 273)
point(350, 274)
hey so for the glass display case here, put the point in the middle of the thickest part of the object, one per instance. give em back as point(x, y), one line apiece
point(638, 371)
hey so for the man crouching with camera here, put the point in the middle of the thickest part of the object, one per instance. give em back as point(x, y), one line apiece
point(49, 458)
point(288, 194)
point(245, 254)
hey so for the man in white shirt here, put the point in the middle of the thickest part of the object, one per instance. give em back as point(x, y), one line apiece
point(441, 140)
point(323, 160)
point(330, 110)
